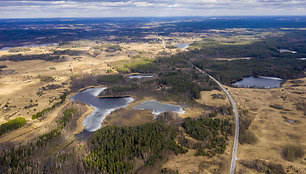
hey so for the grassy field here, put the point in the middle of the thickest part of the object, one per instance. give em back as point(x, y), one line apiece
point(279, 141)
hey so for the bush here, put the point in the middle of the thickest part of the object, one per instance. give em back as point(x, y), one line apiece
point(47, 137)
point(141, 66)
point(213, 114)
point(46, 79)
point(67, 116)
point(276, 106)
point(301, 106)
point(110, 78)
point(292, 152)
point(20, 57)
point(245, 135)
point(112, 48)
point(18, 49)
point(44, 111)
point(262, 166)
point(68, 52)
point(12, 124)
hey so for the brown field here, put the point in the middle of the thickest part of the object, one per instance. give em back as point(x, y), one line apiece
point(188, 163)
point(271, 125)
point(207, 99)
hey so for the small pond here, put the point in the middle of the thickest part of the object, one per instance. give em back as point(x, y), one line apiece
point(103, 106)
point(287, 51)
point(139, 76)
point(158, 107)
point(182, 46)
point(258, 82)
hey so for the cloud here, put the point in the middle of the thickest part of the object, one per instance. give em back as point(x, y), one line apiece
point(96, 8)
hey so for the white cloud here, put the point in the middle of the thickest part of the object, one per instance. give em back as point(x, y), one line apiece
point(92, 8)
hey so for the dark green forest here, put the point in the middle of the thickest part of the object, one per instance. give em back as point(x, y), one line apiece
point(213, 132)
point(113, 149)
point(20, 57)
point(264, 57)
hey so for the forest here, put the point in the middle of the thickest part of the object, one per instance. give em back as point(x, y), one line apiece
point(258, 58)
point(20, 57)
point(114, 149)
point(30, 157)
point(231, 71)
point(212, 132)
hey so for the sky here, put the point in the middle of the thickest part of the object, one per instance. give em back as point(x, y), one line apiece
point(142, 8)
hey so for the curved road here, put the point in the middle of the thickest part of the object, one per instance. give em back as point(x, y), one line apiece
point(235, 146)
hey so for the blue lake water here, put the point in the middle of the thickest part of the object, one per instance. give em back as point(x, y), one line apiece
point(103, 106)
point(258, 82)
point(158, 107)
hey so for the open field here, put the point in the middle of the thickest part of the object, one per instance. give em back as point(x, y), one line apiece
point(214, 98)
point(271, 110)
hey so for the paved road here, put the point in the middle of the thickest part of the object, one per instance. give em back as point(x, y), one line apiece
point(235, 146)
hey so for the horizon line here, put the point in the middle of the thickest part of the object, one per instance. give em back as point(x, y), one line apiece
point(156, 16)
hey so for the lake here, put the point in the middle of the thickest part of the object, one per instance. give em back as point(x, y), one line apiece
point(258, 82)
point(103, 106)
point(158, 107)
point(287, 51)
point(182, 46)
point(139, 76)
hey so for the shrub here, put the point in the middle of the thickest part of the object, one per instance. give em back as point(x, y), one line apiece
point(18, 49)
point(20, 57)
point(292, 152)
point(245, 135)
point(301, 106)
point(112, 48)
point(67, 116)
point(46, 79)
point(141, 66)
point(68, 52)
point(109, 78)
point(260, 166)
point(12, 124)
point(44, 111)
